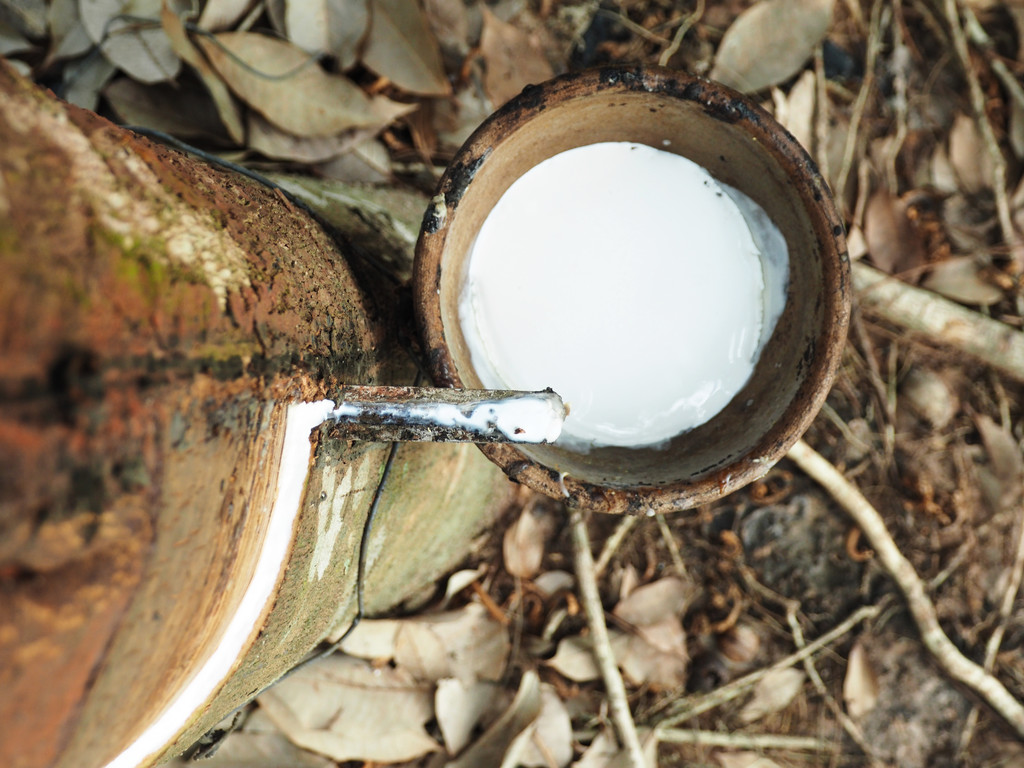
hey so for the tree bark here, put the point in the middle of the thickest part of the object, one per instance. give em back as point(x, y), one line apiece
point(157, 316)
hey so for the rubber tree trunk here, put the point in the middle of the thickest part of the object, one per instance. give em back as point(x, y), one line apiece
point(157, 317)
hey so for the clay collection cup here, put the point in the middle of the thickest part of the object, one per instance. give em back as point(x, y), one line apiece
point(740, 145)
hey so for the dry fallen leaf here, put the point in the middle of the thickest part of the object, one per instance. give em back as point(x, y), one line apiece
point(372, 639)
point(769, 42)
point(941, 174)
point(421, 652)
point(574, 659)
point(523, 544)
point(457, 118)
point(12, 41)
point(449, 21)
point(604, 751)
point(1005, 460)
point(655, 602)
point(860, 685)
point(928, 395)
point(856, 244)
point(494, 742)
point(1003, 450)
point(401, 47)
point(475, 646)
point(893, 242)
point(289, 89)
point(275, 14)
point(959, 279)
point(328, 26)
point(466, 643)
point(68, 37)
point(551, 582)
point(27, 17)
point(548, 739)
point(968, 156)
point(772, 693)
point(347, 709)
point(84, 79)
point(830, 157)
point(970, 221)
point(918, 717)
point(628, 579)
point(458, 708)
point(459, 580)
point(367, 163)
point(257, 750)
point(513, 58)
point(230, 115)
point(1017, 205)
point(180, 111)
point(274, 143)
point(656, 655)
point(740, 644)
point(219, 15)
point(141, 51)
point(799, 118)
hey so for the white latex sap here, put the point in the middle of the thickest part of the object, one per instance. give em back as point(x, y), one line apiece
point(526, 418)
point(631, 282)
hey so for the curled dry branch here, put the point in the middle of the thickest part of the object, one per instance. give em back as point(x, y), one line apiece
point(957, 666)
point(625, 728)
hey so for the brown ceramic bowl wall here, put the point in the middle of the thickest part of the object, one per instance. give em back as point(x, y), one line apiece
point(740, 145)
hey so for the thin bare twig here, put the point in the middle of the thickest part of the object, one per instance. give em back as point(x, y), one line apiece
point(611, 546)
point(855, 11)
point(863, 193)
point(1009, 597)
point(957, 666)
point(745, 740)
point(618, 704)
point(1003, 401)
point(632, 26)
point(900, 63)
point(821, 113)
point(940, 320)
point(995, 641)
point(792, 607)
point(851, 728)
point(681, 711)
point(673, 547)
point(980, 38)
point(874, 45)
point(684, 27)
point(888, 430)
point(848, 435)
point(988, 136)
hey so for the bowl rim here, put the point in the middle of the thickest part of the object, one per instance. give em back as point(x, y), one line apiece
point(721, 103)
